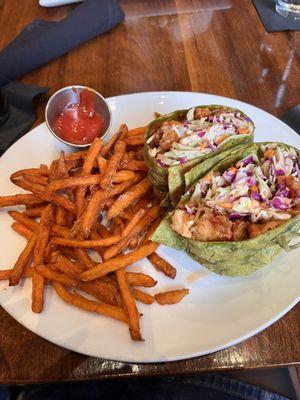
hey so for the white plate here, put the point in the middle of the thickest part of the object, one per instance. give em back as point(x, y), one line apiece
point(219, 311)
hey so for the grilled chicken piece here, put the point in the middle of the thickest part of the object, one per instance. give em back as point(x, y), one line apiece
point(202, 113)
point(293, 185)
point(240, 230)
point(256, 229)
point(211, 227)
point(182, 222)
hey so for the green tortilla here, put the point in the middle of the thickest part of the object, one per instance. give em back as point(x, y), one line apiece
point(169, 183)
point(233, 258)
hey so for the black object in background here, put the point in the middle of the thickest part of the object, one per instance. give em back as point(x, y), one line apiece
point(272, 21)
point(292, 118)
point(18, 111)
point(42, 41)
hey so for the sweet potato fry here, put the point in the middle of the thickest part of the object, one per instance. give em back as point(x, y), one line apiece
point(103, 231)
point(136, 131)
point(86, 244)
point(123, 175)
point(41, 180)
point(102, 291)
point(109, 145)
point(28, 222)
point(97, 203)
point(38, 281)
point(84, 258)
point(60, 216)
point(131, 224)
point(79, 301)
point(22, 261)
point(112, 165)
point(35, 211)
point(162, 265)
point(119, 262)
point(6, 273)
point(135, 140)
point(141, 296)
point(126, 199)
point(135, 165)
point(139, 279)
point(137, 230)
point(102, 162)
point(22, 230)
point(86, 170)
point(21, 172)
point(52, 275)
point(133, 314)
point(133, 243)
point(19, 199)
point(171, 297)
point(69, 268)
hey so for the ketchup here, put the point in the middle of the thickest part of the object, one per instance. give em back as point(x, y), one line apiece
point(79, 123)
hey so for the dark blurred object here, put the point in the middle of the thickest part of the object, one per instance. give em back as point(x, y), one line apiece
point(202, 387)
point(4, 108)
point(292, 118)
point(42, 41)
point(17, 112)
point(272, 21)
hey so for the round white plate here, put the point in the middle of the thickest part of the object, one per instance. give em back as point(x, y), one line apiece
point(218, 312)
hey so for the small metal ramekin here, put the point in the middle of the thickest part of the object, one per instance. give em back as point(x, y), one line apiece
point(69, 95)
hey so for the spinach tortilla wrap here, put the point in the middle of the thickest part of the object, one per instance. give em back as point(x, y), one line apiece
point(176, 142)
point(240, 215)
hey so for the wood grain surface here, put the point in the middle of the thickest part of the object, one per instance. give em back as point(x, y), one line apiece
point(217, 47)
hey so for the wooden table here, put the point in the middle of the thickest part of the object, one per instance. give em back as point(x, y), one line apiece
point(217, 47)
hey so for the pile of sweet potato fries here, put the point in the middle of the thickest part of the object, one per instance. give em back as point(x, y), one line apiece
point(101, 202)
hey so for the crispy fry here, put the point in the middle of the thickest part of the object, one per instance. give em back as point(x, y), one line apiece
point(60, 216)
point(22, 261)
point(131, 224)
point(103, 231)
point(135, 165)
point(107, 147)
point(141, 296)
point(126, 199)
point(35, 211)
point(41, 180)
point(19, 199)
point(38, 281)
point(162, 265)
point(28, 222)
point(20, 173)
point(119, 262)
point(135, 140)
point(137, 230)
point(6, 273)
point(112, 165)
point(97, 203)
point(133, 314)
point(139, 279)
point(52, 275)
point(84, 258)
point(75, 299)
point(136, 131)
point(133, 243)
point(102, 291)
point(71, 269)
point(86, 244)
point(171, 297)
point(44, 170)
point(86, 170)
point(101, 164)
point(62, 170)
point(22, 230)
point(123, 175)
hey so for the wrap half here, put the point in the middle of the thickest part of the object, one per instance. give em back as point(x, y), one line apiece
point(239, 216)
point(183, 139)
